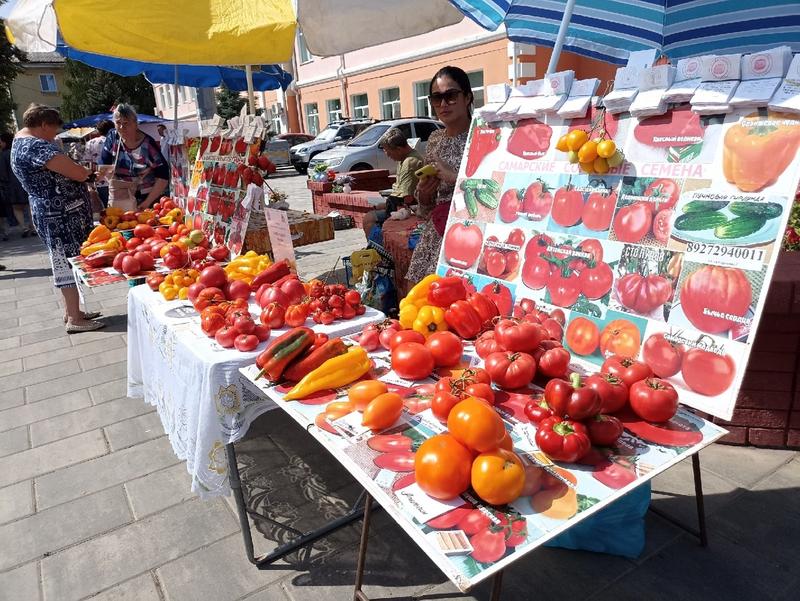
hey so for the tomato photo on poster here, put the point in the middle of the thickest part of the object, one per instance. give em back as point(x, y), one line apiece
point(644, 281)
point(717, 300)
point(462, 244)
point(526, 199)
point(478, 199)
point(678, 136)
point(502, 248)
point(758, 153)
point(574, 273)
point(702, 368)
point(645, 209)
point(594, 339)
point(584, 205)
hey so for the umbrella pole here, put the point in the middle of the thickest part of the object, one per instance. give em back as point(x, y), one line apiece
point(175, 100)
point(251, 100)
point(562, 33)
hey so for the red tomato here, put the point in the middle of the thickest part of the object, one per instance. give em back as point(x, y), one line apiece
point(516, 237)
point(488, 546)
point(654, 400)
point(583, 336)
point(554, 362)
point(442, 467)
point(462, 245)
point(567, 207)
point(443, 402)
point(711, 293)
point(486, 344)
point(512, 261)
point(554, 328)
point(663, 356)
point(480, 390)
point(412, 361)
point(535, 273)
point(518, 336)
point(501, 295)
point(599, 210)
point(661, 225)
point(632, 223)
point(509, 205)
point(613, 392)
point(537, 245)
point(511, 370)
point(707, 373)
point(537, 201)
point(564, 290)
point(495, 263)
point(211, 323)
point(273, 316)
point(643, 294)
point(558, 315)
point(445, 347)
point(352, 297)
point(405, 336)
point(663, 193)
point(225, 336)
point(626, 369)
point(595, 282)
point(604, 430)
point(594, 247)
point(245, 342)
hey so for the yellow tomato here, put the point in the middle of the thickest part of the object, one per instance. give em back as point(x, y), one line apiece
point(194, 273)
point(606, 149)
point(588, 152)
point(170, 292)
point(563, 143)
point(587, 167)
point(572, 157)
point(183, 293)
point(600, 165)
point(576, 138)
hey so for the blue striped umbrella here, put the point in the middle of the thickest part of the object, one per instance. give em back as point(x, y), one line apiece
point(610, 29)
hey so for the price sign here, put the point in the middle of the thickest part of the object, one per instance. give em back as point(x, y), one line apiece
point(279, 235)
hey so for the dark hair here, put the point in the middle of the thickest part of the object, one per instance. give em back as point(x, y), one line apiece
point(457, 75)
point(104, 127)
point(37, 115)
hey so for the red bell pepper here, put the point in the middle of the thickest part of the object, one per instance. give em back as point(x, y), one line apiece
point(563, 439)
point(483, 140)
point(271, 274)
point(484, 306)
point(604, 430)
point(572, 399)
point(463, 319)
point(445, 291)
point(537, 410)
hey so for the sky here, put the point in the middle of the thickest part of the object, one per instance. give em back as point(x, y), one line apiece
point(6, 8)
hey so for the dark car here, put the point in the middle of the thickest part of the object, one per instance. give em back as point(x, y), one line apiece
point(295, 138)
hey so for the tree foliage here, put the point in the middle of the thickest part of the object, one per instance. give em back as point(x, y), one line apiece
point(229, 103)
point(90, 91)
point(11, 58)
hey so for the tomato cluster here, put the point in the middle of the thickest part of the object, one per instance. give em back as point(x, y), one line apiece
point(594, 155)
point(566, 271)
point(501, 259)
point(232, 326)
point(633, 222)
point(289, 302)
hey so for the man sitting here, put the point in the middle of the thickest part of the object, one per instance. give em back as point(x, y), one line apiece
point(395, 145)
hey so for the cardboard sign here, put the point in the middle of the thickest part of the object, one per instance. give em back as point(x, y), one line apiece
point(279, 235)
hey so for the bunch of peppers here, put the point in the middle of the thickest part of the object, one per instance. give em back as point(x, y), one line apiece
point(442, 303)
point(569, 421)
point(247, 266)
point(314, 361)
point(102, 239)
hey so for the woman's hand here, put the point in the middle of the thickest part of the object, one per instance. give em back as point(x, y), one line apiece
point(427, 188)
point(446, 173)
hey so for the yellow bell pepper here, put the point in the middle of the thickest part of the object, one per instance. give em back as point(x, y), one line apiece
point(418, 295)
point(111, 221)
point(99, 234)
point(116, 211)
point(112, 243)
point(407, 316)
point(334, 373)
point(430, 319)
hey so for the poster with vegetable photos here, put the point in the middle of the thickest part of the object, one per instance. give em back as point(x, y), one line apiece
point(219, 187)
point(662, 249)
point(179, 173)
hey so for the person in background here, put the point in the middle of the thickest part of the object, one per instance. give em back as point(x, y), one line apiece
point(450, 94)
point(395, 145)
point(94, 149)
point(137, 157)
point(60, 202)
point(12, 193)
point(162, 141)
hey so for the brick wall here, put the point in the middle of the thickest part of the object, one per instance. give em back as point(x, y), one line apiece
point(767, 411)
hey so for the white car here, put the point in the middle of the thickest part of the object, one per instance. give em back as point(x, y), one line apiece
point(362, 152)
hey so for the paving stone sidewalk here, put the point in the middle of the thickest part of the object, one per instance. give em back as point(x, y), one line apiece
point(94, 504)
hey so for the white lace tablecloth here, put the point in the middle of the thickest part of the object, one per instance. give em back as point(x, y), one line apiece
point(194, 382)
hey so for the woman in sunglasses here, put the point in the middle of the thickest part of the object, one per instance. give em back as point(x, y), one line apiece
point(451, 97)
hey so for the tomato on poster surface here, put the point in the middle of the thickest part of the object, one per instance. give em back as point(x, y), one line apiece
point(462, 244)
point(715, 299)
point(567, 206)
point(537, 200)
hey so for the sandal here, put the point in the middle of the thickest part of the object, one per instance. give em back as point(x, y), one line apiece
point(90, 315)
point(90, 326)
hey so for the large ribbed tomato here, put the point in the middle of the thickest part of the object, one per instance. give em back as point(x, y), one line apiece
point(712, 296)
point(620, 337)
point(643, 294)
point(442, 467)
point(476, 425)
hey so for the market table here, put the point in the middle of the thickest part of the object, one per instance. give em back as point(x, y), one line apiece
point(194, 382)
point(382, 465)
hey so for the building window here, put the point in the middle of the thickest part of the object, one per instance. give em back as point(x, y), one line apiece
point(476, 81)
point(390, 103)
point(334, 108)
point(303, 53)
point(312, 118)
point(360, 104)
point(421, 103)
point(276, 118)
point(47, 82)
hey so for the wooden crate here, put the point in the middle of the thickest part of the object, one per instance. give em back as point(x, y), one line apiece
point(304, 227)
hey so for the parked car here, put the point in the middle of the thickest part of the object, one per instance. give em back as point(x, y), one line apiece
point(295, 138)
point(337, 132)
point(362, 152)
point(278, 151)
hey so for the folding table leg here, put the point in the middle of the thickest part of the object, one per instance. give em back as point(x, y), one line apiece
point(700, 532)
point(497, 586)
point(358, 594)
point(241, 508)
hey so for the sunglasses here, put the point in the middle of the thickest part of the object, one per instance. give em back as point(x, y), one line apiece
point(450, 97)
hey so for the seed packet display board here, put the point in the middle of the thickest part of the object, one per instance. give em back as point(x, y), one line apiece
point(667, 258)
point(218, 190)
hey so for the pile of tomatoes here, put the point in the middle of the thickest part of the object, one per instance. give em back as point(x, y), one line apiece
point(634, 221)
point(501, 259)
point(289, 302)
point(566, 271)
point(232, 326)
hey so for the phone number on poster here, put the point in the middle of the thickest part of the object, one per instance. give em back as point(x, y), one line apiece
point(733, 252)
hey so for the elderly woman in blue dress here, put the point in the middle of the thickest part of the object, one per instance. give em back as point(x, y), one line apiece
point(59, 202)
